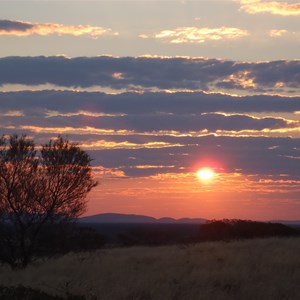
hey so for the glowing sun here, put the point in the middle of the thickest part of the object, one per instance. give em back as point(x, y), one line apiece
point(205, 174)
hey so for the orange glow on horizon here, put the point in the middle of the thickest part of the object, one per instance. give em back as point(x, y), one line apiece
point(179, 195)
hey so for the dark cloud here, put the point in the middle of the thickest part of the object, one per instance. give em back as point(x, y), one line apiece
point(180, 111)
point(148, 123)
point(39, 103)
point(145, 72)
point(8, 25)
point(181, 123)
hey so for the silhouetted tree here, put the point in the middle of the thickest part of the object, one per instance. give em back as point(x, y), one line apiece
point(38, 188)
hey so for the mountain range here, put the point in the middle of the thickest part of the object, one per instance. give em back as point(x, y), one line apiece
point(127, 218)
point(141, 219)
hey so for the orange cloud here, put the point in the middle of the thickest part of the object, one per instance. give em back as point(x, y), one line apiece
point(242, 79)
point(280, 33)
point(103, 144)
point(273, 7)
point(277, 32)
point(198, 35)
point(21, 28)
point(12, 113)
point(53, 113)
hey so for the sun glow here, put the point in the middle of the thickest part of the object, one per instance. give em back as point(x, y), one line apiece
point(205, 174)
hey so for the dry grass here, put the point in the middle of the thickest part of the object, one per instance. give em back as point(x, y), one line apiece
point(253, 269)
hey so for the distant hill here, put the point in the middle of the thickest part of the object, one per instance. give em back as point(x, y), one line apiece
point(141, 219)
point(124, 218)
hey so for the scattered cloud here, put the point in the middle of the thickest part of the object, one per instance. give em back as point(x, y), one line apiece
point(248, 155)
point(128, 132)
point(12, 113)
point(273, 7)
point(156, 73)
point(277, 32)
point(242, 79)
point(21, 28)
point(132, 155)
point(128, 153)
point(144, 134)
point(197, 35)
point(286, 34)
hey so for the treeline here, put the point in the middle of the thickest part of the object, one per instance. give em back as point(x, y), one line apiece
point(57, 239)
point(244, 229)
point(215, 230)
point(60, 239)
point(26, 293)
point(75, 237)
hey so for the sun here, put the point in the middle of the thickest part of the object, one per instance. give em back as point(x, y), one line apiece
point(205, 174)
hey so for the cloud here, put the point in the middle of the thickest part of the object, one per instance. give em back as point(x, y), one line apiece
point(273, 7)
point(21, 28)
point(63, 103)
point(12, 113)
point(182, 123)
point(162, 73)
point(277, 32)
point(14, 26)
point(197, 35)
point(243, 155)
point(285, 34)
point(134, 134)
point(274, 157)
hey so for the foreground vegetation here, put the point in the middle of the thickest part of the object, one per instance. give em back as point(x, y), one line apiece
point(249, 269)
point(40, 187)
point(27, 293)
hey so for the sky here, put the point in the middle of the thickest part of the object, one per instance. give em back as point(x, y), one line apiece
point(155, 91)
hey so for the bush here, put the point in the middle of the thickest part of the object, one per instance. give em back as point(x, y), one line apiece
point(243, 229)
point(26, 293)
point(58, 239)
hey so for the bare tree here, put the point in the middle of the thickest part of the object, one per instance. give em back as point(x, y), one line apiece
point(37, 189)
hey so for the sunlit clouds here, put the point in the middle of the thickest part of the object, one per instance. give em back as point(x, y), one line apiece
point(278, 32)
point(12, 113)
point(155, 91)
point(236, 30)
point(273, 7)
point(22, 28)
point(144, 74)
point(284, 35)
point(241, 79)
point(197, 35)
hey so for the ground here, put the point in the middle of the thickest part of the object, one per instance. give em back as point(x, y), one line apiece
point(253, 269)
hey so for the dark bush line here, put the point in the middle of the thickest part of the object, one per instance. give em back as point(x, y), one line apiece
point(26, 293)
point(243, 229)
point(155, 236)
point(59, 239)
point(215, 230)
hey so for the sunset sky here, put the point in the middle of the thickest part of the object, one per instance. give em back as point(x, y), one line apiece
point(155, 91)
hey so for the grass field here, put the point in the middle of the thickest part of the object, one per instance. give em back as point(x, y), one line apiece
point(253, 269)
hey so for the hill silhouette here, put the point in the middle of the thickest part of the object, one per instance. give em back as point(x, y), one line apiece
point(138, 219)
